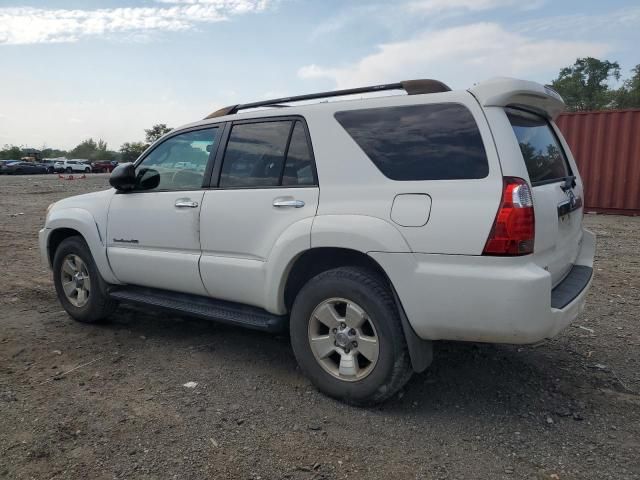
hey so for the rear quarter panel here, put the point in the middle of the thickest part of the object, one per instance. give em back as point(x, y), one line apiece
point(462, 211)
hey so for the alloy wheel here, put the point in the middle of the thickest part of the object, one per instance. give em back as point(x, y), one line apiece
point(75, 280)
point(343, 339)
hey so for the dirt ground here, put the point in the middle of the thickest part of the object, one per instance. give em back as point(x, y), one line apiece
point(81, 401)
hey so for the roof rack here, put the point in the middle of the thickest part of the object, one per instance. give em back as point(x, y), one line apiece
point(412, 87)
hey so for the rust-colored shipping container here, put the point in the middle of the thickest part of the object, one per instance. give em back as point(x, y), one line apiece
point(606, 146)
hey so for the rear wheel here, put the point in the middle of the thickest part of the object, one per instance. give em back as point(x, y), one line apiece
point(347, 336)
point(80, 288)
point(87, 170)
point(68, 170)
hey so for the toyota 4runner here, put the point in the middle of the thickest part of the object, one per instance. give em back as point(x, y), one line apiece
point(367, 227)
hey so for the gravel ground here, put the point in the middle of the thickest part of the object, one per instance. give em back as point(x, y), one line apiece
point(108, 401)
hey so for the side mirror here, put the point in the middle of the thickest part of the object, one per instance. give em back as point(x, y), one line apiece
point(123, 177)
point(147, 179)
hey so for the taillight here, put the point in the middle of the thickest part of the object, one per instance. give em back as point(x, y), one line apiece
point(513, 230)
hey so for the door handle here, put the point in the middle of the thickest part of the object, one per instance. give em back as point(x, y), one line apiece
point(185, 203)
point(280, 202)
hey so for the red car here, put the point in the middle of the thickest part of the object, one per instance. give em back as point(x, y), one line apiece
point(103, 166)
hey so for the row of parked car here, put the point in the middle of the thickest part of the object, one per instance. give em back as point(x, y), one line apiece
point(19, 167)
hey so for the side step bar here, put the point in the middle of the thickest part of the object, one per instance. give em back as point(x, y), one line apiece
point(202, 307)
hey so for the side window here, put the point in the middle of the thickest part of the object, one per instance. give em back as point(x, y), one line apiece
point(255, 154)
point(178, 163)
point(419, 142)
point(298, 169)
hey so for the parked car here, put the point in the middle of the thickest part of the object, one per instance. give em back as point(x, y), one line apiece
point(70, 166)
point(23, 168)
point(368, 228)
point(103, 166)
point(50, 163)
point(4, 164)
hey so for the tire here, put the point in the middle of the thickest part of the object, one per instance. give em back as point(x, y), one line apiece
point(68, 170)
point(87, 170)
point(365, 291)
point(50, 170)
point(98, 305)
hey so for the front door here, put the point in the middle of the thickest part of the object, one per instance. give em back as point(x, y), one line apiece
point(266, 187)
point(153, 233)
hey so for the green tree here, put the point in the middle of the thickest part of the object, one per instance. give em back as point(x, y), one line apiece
point(92, 150)
point(130, 151)
point(84, 149)
point(628, 96)
point(11, 152)
point(584, 86)
point(155, 132)
point(53, 153)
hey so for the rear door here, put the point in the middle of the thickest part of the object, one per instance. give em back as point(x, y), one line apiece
point(264, 184)
point(557, 192)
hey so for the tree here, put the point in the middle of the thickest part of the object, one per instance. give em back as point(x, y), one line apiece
point(130, 151)
point(155, 132)
point(84, 149)
point(10, 152)
point(53, 153)
point(583, 85)
point(92, 150)
point(628, 96)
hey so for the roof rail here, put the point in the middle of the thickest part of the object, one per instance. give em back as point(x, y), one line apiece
point(412, 87)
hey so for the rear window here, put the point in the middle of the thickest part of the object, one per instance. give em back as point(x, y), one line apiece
point(419, 142)
point(542, 153)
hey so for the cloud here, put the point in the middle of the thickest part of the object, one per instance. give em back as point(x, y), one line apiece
point(459, 56)
point(436, 6)
point(395, 17)
point(584, 24)
point(27, 25)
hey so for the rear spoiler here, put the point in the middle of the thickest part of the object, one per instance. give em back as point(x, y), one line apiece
point(510, 92)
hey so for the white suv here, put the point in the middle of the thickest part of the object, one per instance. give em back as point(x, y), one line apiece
point(368, 228)
point(70, 166)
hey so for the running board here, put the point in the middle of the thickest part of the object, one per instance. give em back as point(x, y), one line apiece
point(203, 307)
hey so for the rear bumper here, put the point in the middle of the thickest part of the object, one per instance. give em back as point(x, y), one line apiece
point(486, 299)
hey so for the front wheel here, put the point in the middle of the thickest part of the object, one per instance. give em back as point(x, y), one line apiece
point(80, 288)
point(347, 336)
point(69, 170)
point(87, 170)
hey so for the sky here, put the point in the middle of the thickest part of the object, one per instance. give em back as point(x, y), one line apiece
point(75, 69)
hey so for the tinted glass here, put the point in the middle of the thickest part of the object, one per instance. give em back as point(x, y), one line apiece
point(179, 161)
point(540, 149)
point(255, 154)
point(298, 168)
point(419, 142)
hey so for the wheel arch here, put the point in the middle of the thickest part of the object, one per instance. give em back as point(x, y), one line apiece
point(314, 261)
point(56, 237)
point(76, 221)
